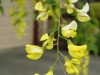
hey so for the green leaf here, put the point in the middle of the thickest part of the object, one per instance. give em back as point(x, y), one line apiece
point(2, 10)
point(0, 2)
point(94, 48)
point(12, 0)
point(35, 16)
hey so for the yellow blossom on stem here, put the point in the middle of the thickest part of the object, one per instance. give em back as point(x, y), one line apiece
point(43, 12)
point(69, 30)
point(34, 52)
point(42, 16)
point(39, 6)
point(82, 15)
point(70, 6)
point(76, 51)
point(50, 72)
point(36, 74)
point(70, 67)
point(48, 41)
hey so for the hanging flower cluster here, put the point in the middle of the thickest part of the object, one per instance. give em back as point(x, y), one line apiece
point(68, 31)
point(17, 17)
point(50, 72)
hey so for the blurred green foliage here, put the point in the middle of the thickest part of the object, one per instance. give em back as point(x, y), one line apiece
point(95, 6)
point(1, 8)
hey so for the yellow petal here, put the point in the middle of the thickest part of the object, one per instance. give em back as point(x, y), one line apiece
point(39, 6)
point(74, 48)
point(73, 34)
point(54, 39)
point(76, 70)
point(70, 70)
point(76, 54)
point(83, 17)
point(34, 56)
point(34, 51)
point(50, 72)
point(68, 63)
point(36, 74)
point(33, 48)
point(46, 42)
point(42, 16)
point(50, 45)
point(68, 33)
point(75, 61)
point(44, 37)
point(70, 8)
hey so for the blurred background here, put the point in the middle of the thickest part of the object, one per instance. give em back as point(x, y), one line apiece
point(18, 27)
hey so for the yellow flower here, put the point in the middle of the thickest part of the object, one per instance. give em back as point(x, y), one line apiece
point(36, 74)
point(70, 6)
point(43, 12)
point(50, 72)
point(76, 51)
point(69, 30)
point(39, 6)
point(70, 68)
point(42, 16)
point(48, 41)
point(82, 15)
point(34, 52)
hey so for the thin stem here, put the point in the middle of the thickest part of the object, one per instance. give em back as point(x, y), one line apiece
point(62, 67)
point(63, 37)
point(61, 54)
point(52, 33)
point(58, 31)
point(52, 4)
point(55, 62)
point(58, 39)
point(55, 30)
point(62, 18)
